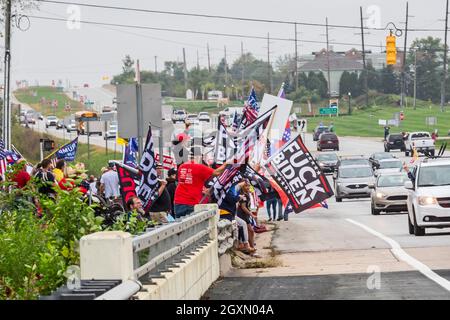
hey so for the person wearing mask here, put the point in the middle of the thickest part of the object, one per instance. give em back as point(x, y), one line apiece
point(192, 176)
point(46, 178)
point(161, 206)
point(109, 183)
point(59, 170)
point(171, 186)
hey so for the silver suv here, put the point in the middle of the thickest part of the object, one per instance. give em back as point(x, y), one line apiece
point(353, 182)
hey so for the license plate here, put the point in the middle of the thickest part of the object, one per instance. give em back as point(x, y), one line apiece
point(330, 141)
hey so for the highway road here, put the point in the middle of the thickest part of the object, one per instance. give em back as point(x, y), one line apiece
point(100, 96)
point(344, 252)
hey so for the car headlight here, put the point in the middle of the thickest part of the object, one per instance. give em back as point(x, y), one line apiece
point(321, 164)
point(380, 195)
point(427, 201)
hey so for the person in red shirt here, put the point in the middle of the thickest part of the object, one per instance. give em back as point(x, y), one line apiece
point(191, 178)
point(22, 177)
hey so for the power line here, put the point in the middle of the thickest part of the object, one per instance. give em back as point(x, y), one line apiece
point(210, 16)
point(196, 32)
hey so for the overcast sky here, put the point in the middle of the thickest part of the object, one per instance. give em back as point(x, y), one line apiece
point(50, 50)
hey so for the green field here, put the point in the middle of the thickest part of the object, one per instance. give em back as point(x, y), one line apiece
point(34, 96)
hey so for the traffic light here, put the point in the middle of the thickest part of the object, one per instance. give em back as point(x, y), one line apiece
point(391, 50)
point(49, 145)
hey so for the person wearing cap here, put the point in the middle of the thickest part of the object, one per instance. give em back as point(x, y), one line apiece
point(161, 207)
point(192, 176)
point(171, 186)
point(109, 183)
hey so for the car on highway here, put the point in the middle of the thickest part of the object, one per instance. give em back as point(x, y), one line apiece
point(71, 125)
point(394, 141)
point(328, 141)
point(327, 161)
point(353, 182)
point(429, 196)
point(421, 141)
point(204, 116)
point(51, 121)
point(388, 166)
point(377, 156)
point(389, 193)
point(60, 124)
point(112, 132)
point(178, 116)
point(192, 118)
point(318, 131)
point(354, 160)
point(31, 116)
point(40, 116)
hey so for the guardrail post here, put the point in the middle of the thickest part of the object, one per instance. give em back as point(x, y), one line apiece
point(106, 256)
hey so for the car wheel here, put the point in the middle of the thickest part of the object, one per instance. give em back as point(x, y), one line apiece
point(410, 226)
point(418, 231)
point(375, 212)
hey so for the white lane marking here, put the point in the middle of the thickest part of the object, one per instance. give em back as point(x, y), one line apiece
point(403, 256)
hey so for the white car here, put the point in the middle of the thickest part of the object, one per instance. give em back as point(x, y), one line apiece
point(178, 116)
point(422, 141)
point(192, 118)
point(51, 121)
point(204, 116)
point(429, 196)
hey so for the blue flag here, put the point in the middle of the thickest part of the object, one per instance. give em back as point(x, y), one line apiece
point(129, 156)
point(68, 152)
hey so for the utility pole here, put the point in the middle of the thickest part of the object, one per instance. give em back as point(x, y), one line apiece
point(444, 80)
point(296, 59)
point(268, 63)
point(366, 86)
point(404, 58)
point(415, 77)
point(226, 65)
point(6, 121)
point(185, 70)
point(243, 67)
point(156, 64)
point(209, 58)
point(198, 62)
point(328, 60)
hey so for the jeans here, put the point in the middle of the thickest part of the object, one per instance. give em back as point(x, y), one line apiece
point(182, 210)
point(272, 204)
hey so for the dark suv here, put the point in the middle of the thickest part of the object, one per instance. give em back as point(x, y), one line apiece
point(318, 131)
point(394, 141)
point(329, 141)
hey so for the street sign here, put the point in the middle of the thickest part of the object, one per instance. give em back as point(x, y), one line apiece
point(327, 111)
point(394, 122)
point(431, 121)
point(382, 122)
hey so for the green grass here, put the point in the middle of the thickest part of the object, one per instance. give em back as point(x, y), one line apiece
point(364, 123)
point(33, 96)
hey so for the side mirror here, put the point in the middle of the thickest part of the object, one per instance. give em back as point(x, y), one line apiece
point(409, 185)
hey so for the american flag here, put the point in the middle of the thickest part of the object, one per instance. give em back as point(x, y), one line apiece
point(251, 109)
point(3, 159)
point(287, 132)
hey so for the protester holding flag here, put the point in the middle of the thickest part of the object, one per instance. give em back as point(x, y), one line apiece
point(192, 176)
point(171, 187)
point(161, 206)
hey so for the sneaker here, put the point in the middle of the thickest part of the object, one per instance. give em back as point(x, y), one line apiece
point(270, 219)
point(279, 219)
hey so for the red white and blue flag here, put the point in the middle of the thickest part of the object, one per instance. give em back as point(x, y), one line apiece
point(251, 110)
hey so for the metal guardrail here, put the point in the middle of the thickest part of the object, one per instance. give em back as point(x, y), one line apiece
point(227, 234)
point(163, 247)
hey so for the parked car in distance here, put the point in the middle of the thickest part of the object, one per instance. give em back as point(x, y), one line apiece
point(328, 141)
point(421, 141)
point(377, 156)
point(386, 166)
point(353, 182)
point(204, 116)
point(394, 141)
point(51, 121)
point(389, 193)
point(327, 162)
point(318, 131)
point(178, 116)
point(429, 196)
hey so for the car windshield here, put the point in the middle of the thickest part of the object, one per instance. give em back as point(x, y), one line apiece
point(396, 137)
point(322, 129)
point(51, 117)
point(380, 156)
point(391, 164)
point(420, 135)
point(327, 157)
point(434, 176)
point(358, 172)
point(351, 162)
point(392, 181)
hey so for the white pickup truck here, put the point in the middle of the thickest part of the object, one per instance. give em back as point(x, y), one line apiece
point(422, 141)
